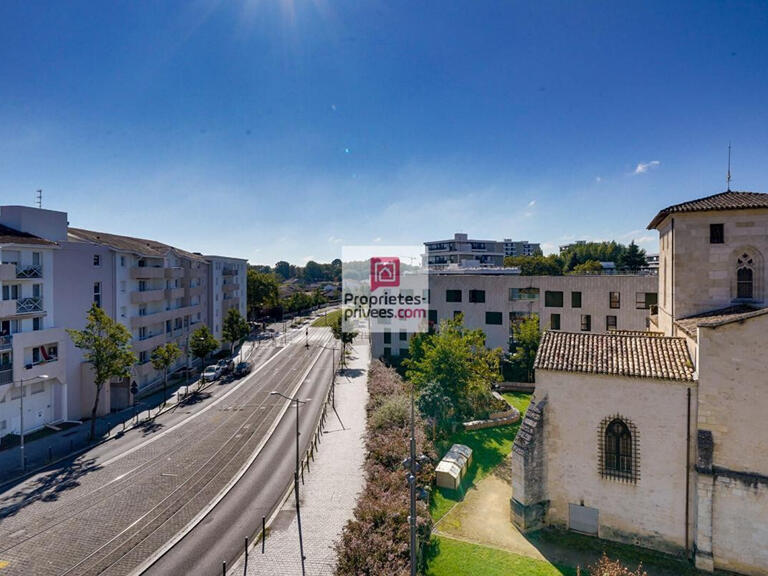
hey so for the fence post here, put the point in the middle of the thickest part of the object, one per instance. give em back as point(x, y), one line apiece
point(245, 567)
point(263, 532)
point(224, 569)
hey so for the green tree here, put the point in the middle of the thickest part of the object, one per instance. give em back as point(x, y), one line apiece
point(527, 336)
point(202, 343)
point(633, 259)
point(284, 270)
point(233, 328)
point(262, 292)
point(599, 251)
point(453, 363)
point(588, 267)
point(163, 358)
point(538, 265)
point(342, 336)
point(313, 272)
point(106, 346)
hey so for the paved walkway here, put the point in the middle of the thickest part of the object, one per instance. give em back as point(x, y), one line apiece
point(330, 491)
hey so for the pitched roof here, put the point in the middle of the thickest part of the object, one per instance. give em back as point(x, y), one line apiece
point(616, 354)
point(727, 200)
point(715, 318)
point(13, 236)
point(140, 246)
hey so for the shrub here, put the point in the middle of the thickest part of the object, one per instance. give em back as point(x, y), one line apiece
point(395, 412)
point(607, 567)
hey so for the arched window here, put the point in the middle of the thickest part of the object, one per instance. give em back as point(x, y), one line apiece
point(744, 287)
point(619, 457)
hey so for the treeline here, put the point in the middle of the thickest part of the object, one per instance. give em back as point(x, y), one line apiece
point(311, 272)
point(581, 259)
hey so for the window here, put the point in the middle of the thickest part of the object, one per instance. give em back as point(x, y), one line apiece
point(403, 352)
point(614, 299)
point(97, 294)
point(142, 310)
point(387, 352)
point(575, 299)
point(35, 355)
point(432, 318)
point(96, 260)
point(523, 293)
point(554, 322)
point(586, 323)
point(35, 323)
point(142, 285)
point(644, 300)
point(716, 234)
point(453, 295)
point(403, 335)
point(477, 296)
point(493, 318)
point(553, 299)
point(610, 322)
point(387, 337)
point(35, 258)
point(11, 291)
point(143, 357)
point(142, 333)
point(744, 283)
point(37, 290)
point(122, 261)
point(619, 457)
point(458, 315)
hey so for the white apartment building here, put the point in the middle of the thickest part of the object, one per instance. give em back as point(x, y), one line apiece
point(227, 288)
point(520, 247)
point(32, 342)
point(495, 302)
point(463, 251)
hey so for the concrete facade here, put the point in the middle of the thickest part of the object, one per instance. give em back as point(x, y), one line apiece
point(227, 288)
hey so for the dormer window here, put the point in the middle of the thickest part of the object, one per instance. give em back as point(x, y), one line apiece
point(716, 234)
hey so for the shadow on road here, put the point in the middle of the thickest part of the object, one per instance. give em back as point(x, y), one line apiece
point(149, 427)
point(65, 476)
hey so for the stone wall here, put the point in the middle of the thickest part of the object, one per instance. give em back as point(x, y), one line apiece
point(528, 505)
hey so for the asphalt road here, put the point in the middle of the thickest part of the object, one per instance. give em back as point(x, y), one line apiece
point(108, 510)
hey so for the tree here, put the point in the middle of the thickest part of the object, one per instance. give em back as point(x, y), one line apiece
point(163, 358)
point(202, 343)
point(233, 328)
point(536, 265)
point(284, 269)
point(454, 364)
point(106, 346)
point(633, 259)
point(589, 267)
point(313, 272)
point(527, 336)
point(344, 337)
point(262, 292)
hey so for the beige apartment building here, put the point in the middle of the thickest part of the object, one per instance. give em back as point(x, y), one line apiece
point(494, 300)
point(659, 438)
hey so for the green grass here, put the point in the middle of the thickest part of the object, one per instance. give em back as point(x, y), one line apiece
point(518, 400)
point(327, 319)
point(457, 558)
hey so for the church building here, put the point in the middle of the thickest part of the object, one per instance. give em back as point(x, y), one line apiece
point(659, 438)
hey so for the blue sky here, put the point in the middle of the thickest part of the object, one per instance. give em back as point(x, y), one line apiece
point(283, 129)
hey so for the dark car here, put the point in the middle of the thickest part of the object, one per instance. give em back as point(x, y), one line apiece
point(242, 369)
point(226, 366)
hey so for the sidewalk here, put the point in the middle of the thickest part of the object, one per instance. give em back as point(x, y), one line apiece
point(330, 491)
point(58, 445)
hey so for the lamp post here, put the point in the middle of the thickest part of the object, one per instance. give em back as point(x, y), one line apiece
point(21, 415)
point(296, 472)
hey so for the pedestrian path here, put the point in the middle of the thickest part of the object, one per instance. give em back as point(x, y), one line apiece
point(331, 486)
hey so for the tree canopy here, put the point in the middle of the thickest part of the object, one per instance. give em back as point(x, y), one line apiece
point(234, 327)
point(581, 259)
point(163, 358)
point(202, 342)
point(526, 338)
point(262, 292)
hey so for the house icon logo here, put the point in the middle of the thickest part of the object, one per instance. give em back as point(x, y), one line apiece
point(385, 272)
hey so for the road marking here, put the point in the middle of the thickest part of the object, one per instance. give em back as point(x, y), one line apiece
point(149, 562)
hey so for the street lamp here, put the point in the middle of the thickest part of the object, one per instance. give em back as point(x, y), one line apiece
point(21, 414)
point(296, 472)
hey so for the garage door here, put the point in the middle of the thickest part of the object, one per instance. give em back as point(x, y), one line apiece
point(38, 405)
point(582, 519)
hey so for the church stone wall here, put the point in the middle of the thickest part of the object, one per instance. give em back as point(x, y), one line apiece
point(650, 512)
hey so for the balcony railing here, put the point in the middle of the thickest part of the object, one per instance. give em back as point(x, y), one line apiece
point(229, 272)
point(29, 271)
point(6, 375)
point(29, 305)
point(6, 342)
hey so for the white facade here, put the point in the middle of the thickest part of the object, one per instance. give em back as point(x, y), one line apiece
point(463, 251)
point(520, 247)
point(227, 288)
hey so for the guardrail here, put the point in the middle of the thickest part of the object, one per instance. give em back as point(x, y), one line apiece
point(29, 271)
point(27, 305)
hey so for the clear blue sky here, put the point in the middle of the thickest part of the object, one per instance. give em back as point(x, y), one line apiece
point(279, 129)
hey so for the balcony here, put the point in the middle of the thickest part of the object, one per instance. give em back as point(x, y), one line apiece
point(7, 308)
point(29, 271)
point(147, 272)
point(163, 315)
point(6, 343)
point(229, 272)
point(29, 305)
point(173, 293)
point(227, 288)
point(150, 342)
point(144, 296)
point(196, 291)
point(228, 303)
point(175, 272)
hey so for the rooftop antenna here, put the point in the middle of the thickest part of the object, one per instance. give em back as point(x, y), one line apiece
point(728, 179)
point(39, 199)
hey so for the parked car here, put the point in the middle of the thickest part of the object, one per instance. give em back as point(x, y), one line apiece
point(242, 369)
point(225, 366)
point(213, 372)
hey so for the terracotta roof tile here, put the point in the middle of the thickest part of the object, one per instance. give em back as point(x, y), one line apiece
point(719, 317)
point(140, 246)
point(724, 201)
point(617, 354)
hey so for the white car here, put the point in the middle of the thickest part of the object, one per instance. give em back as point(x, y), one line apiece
point(213, 372)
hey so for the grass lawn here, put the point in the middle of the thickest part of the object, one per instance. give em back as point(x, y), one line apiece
point(457, 558)
point(490, 447)
point(327, 319)
point(518, 400)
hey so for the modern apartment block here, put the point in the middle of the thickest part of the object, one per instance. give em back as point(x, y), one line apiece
point(32, 342)
point(496, 302)
point(228, 282)
point(520, 247)
point(463, 251)
point(160, 293)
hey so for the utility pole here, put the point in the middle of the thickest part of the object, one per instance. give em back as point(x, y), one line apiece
point(412, 486)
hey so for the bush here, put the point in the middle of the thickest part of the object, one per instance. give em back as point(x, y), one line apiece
point(607, 567)
point(376, 540)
